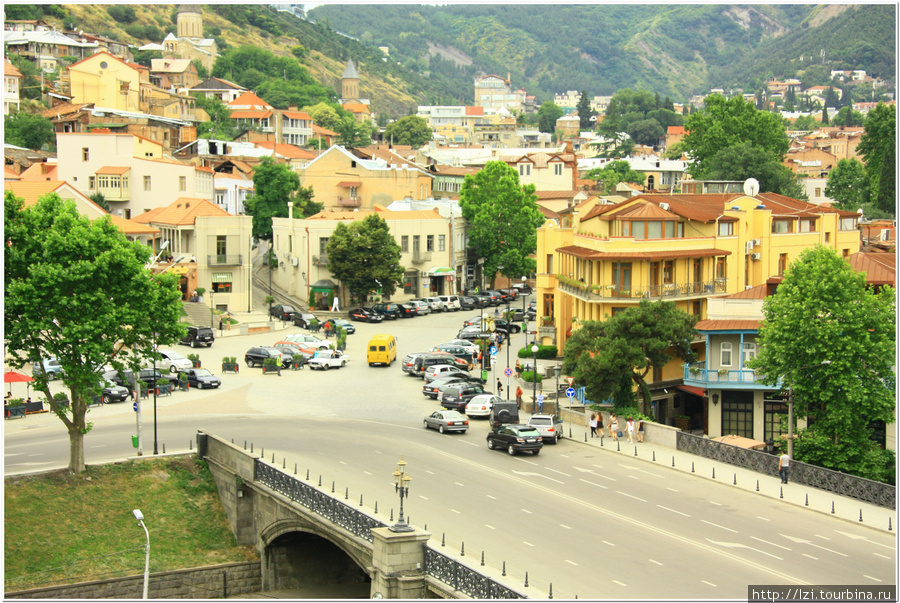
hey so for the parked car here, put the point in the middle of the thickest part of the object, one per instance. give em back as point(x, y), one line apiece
point(421, 363)
point(258, 355)
point(447, 420)
point(197, 336)
point(515, 437)
point(501, 324)
point(202, 378)
point(407, 310)
point(450, 302)
point(432, 388)
point(470, 333)
point(511, 293)
point(128, 378)
point(296, 350)
point(113, 392)
point(549, 426)
point(456, 396)
point(499, 295)
point(326, 359)
point(466, 353)
point(389, 311)
point(302, 319)
point(175, 361)
point(481, 405)
point(282, 311)
point(420, 306)
point(463, 343)
point(523, 288)
point(467, 302)
point(50, 366)
point(342, 323)
point(436, 371)
point(436, 304)
point(307, 340)
point(365, 315)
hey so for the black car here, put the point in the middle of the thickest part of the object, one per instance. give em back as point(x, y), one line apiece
point(515, 437)
point(365, 315)
point(506, 326)
point(197, 336)
point(498, 295)
point(302, 319)
point(389, 311)
point(282, 311)
point(113, 392)
point(149, 376)
point(456, 396)
point(467, 302)
point(202, 378)
point(407, 310)
point(256, 356)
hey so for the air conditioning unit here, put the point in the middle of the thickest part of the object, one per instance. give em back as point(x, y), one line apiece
point(757, 242)
point(755, 256)
point(295, 261)
point(664, 206)
point(748, 246)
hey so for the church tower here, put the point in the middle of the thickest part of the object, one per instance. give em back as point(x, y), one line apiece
point(350, 83)
point(189, 21)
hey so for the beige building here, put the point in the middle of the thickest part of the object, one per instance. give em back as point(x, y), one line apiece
point(130, 171)
point(189, 42)
point(108, 81)
point(497, 93)
point(12, 79)
point(425, 237)
point(546, 171)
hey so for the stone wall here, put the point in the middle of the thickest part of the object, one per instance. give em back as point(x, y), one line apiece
point(212, 582)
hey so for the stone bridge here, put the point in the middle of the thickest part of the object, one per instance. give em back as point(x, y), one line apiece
point(309, 536)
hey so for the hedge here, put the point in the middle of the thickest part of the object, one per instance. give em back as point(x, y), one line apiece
point(545, 352)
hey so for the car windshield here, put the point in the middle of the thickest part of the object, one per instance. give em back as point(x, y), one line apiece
point(175, 356)
point(202, 372)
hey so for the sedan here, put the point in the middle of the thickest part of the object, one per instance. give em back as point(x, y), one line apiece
point(307, 340)
point(407, 310)
point(515, 437)
point(50, 366)
point(302, 320)
point(342, 323)
point(256, 356)
point(282, 312)
point(438, 371)
point(470, 333)
point(431, 388)
point(420, 306)
point(468, 303)
point(446, 420)
point(365, 315)
point(481, 405)
point(202, 378)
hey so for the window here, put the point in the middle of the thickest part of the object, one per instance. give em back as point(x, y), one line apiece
point(442, 242)
point(353, 192)
point(782, 263)
point(848, 223)
point(416, 243)
point(654, 230)
point(748, 353)
point(818, 191)
point(221, 248)
point(807, 225)
point(775, 408)
point(85, 154)
point(404, 243)
point(92, 183)
point(669, 271)
point(146, 183)
point(221, 282)
point(670, 230)
point(549, 263)
point(626, 229)
point(182, 183)
point(827, 237)
point(721, 268)
point(737, 413)
point(557, 169)
point(524, 169)
point(725, 353)
point(726, 229)
point(429, 243)
point(637, 230)
point(781, 226)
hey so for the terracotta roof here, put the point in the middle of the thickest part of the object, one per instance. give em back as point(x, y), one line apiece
point(287, 150)
point(324, 131)
point(297, 115)
point(474, 110)
point(728, 325)
point(8, 174)
point(676, 130)
point(113, 169)
point(9, 70)
point(757, 292)
point(641, 211)
point(248, 99)
point(40, 171)
point(416, 214)
point(183, 211)
point(64, 109)
point(132, 228)
point(453, 170)
point(660, 254)
point(251, 114)
point(548, 195)
point(203, 168)
point(348, 183)
point(356, 108)
point(879, 268)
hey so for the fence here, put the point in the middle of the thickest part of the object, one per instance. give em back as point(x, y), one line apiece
point(465, 579)
point(877, 493)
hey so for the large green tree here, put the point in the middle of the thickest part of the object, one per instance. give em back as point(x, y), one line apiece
point(848, 185)
point(876, 147)
point(365, 257)
point(29, 131)
point(831, 339)
point(585, 113)
point(743, 160)
point(727, 122)
point(78, 291)
point(847, 116)
point(503, 219)
point(548, 113)
point(274, 185)
point(412, 130)
point(220, 125)
point(613, 356)
point(615, 172)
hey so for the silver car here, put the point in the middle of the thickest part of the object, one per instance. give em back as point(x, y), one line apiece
point(420, 306)
point(549, 426)
point(447, 420)
point(437, 371)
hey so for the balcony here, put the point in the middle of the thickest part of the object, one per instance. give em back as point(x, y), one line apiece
point(668, 291)
point(420, 257)
point(320, 260)
point(224, 260)
point(348, 201)
point(697, 374)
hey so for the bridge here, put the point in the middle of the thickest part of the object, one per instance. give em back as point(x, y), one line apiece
point(308, 535)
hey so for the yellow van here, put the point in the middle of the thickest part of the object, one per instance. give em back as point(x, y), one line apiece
point(382, 350)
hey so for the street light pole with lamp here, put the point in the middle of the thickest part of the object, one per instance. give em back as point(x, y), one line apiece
point(140, 519)
point(401, 486)
point(534, 351)
point(790, 450)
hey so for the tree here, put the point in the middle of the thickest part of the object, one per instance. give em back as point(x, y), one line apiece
point(324, 115)
point(585, 113)
point(831, 339)
point(611, 357)
point(876, 147)
point(726, 122)
point(29, 131)
point(365, 257)
point(220, 125)
point(613, 173)
point(548, 113)
point(847, 117)
point(100, 200)
point(275, 184)
point(848, 184)
point(743, 160)
point(503, 218)
point(78, 291)
point(410, 130)
point(805, 122)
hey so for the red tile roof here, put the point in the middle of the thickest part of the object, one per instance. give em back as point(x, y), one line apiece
point(183, 211)
point(879, 267)
point(728, 325)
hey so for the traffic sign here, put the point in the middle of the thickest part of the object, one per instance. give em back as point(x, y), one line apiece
point(507, 372)
point(135, 407)
point(493, 350)
point(570, 393)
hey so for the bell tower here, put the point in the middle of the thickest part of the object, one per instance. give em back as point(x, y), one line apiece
point(189, 21)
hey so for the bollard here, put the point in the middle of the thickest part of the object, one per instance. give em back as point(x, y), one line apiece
point(780, 492)
point(360, 500)
point(601, 441)
point(262, 453)
point(191, 444)
point(735, 479)
point(332, 487)
point(462, 551)
point(618, 448)
point(320, 480)
point(295, 468)
point(526, 579)
point(654, 456)
point(551, 591)
point(860, 515)
point(889, 525)
point(164, 447)
point(806, 504)
point(245, 444)
point(443, 539)
point(757, 485)
point(635, 451)
point(307, 475)
point(232, 440)
point(273, 458)
point(347, 493)
point(392, 513)
point(284, 463)
point(832, 507)
point(251, 447)
point(376, 507)
point(585, 437)
point(714, 473)
point(673, 461)
point(692, 466)
point(504, 563)
point(482, 557)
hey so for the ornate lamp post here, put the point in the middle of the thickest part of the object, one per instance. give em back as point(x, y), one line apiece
point(534, 351)
point(401, 486)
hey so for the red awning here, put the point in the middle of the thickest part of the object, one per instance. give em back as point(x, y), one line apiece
point(348, 184)
point(697, 391)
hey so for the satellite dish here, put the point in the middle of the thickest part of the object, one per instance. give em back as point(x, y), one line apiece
point(751, 187)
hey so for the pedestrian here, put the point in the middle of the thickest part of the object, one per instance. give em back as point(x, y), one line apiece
point(518, 368)
point(519, 397)
point(614, 426)
point(640, 431)
point(593, 424)
point(221, 326)
point(784, 466)
point(327, 329)
point(600, 425)
point(629, 428)
point(499, 387)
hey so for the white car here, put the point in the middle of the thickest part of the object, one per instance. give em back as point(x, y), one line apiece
point(308, 341)
point(450, 302)
point(437, 371)
point(463, 343)
point(175, 361)
point(326, 359)
point(436, 304)
point(480, 405)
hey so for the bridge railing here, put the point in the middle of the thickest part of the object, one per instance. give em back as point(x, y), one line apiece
point(350, 518)
point(465, 579)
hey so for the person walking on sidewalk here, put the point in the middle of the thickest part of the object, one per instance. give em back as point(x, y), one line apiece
point(499, 387)
point(640, 431)
point(519, 397)
point(593, 424)
point(784, 466)
point(614, 426)
point(629, 428)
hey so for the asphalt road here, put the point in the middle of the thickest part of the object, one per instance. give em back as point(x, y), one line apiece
point(592, 523)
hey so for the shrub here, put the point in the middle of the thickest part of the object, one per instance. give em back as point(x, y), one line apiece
point(122, 13)
point(529, 377)
point(545, 352)
point(15, 402)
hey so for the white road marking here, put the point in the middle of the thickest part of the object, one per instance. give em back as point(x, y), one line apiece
point(429, 472)
point(532, 474)
point(573, 563)
point(97, 446)
point(620, 583)
point(856, 537)
point(673, 510)
point(423, 497)
point(609, 543)
point(811, 557)
point(528, 543)
point(712, 502)
point(822, 537)
point(343, 462)
point(555, 471)
point(710, 583)
point(455, 511)
point(491, 497)
point(526, 511)
point(871, 577)
point(763, 518)
point(672, 489)
point(630, 496)
point(738, 545)
point(718, 526)
point(654, 561)
point(489, 526)
point(633, 477)
point(632, 468)
point(802, 541)
point(770, 543)
point(593, 484)
point(592, 472)
point(880, 555)
point(562, 525)
point(367, 472)
point(458, 483)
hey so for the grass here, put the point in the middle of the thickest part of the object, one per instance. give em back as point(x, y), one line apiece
point(62, 528)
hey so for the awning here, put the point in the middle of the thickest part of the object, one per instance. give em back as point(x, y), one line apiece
point(221, 277)
point(697, 391)
point(441, 271)
point(349, 184)
point(323, 286)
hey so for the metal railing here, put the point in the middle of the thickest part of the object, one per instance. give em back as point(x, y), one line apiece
point(698, 372)
point(350, 518)
point(465, 579)
point(419, 257)
point(877, 493)
point(224, 260)
point(348, 201)
point(666, 291)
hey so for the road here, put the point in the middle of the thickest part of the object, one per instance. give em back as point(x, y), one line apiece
point(589, 521)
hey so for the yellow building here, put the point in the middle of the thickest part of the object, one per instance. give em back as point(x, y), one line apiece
point(680, 248)
point(108, 81)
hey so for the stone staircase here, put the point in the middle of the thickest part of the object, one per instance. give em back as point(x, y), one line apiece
point(198, 314)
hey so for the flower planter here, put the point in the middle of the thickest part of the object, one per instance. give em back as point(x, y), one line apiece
point(11, 412)
point(230, 367)
point(271, 369)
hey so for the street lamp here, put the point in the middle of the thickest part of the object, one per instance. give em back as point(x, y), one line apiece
point(140, 519)
point(401, 486)
point(155, 388)
point(790, 450)
point(557, 370)
point(534, 351)
point(269, 266)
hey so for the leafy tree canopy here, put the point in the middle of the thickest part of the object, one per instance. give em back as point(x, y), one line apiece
point(831, 339)
point(274, 185)
point(847, 116)
point(29, 131)
point(503, 218)
point(848, 184)
point(641, 114)
point(365, 257)
point(585, 113)
point(220, 125)
point(411, 130)
point(78, 291)
point(742, 160)
point(615, 172)
point(548, 113)
point(610, 357)
point(877, 148)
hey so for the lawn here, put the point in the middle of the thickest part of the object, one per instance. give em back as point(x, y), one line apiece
point(61, 528)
